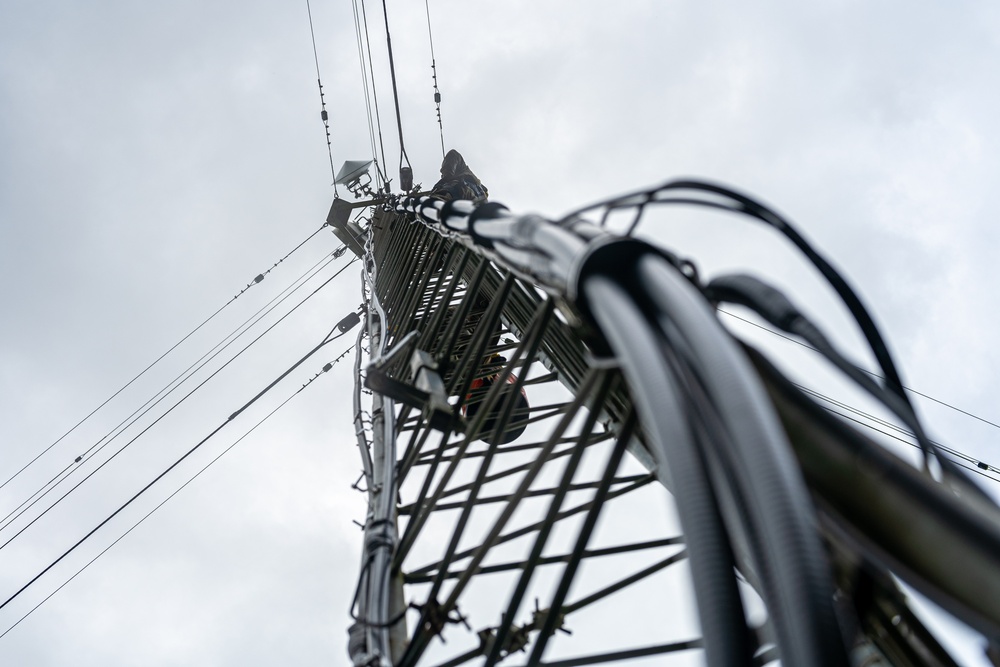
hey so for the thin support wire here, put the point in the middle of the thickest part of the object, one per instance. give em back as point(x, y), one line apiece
point(395, 91)
point(322, 100)
point(434, 76)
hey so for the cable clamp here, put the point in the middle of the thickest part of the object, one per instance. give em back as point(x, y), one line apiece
point(426, 392)
point(434, 617)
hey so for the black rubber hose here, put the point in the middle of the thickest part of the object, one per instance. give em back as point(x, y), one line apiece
point(654, 391)
point(838, 282)
point(798, 588)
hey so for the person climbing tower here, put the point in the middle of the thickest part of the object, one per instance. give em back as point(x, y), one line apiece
point(458, 181)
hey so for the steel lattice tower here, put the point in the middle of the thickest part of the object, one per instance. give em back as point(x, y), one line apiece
point(565, 454)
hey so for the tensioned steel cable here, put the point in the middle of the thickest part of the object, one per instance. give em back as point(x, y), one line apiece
point(255, 281)
point(395, 92)
point(166, 391)
point(163, 502)
point(778, 310)
point(188, 395)
point(322, 100)
point(363, 25)
point(437, 93)
point(172, 386)
point(371, 71)
point(864, 370)
point(326, 340)
point(361, 41)
point(977, 467)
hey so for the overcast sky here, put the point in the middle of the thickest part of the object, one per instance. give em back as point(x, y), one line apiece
point(155, 157)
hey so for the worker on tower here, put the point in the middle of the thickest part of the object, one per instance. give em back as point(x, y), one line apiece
point(458, 181)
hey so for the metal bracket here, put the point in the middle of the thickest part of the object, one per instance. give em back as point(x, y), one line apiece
point(349, 232)
point(437, 410)
point(427, 393)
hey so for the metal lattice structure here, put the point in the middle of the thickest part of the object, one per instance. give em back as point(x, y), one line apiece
point(533, 389)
